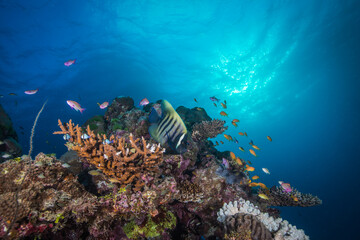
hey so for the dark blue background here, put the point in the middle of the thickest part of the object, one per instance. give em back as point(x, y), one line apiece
point(288, 69)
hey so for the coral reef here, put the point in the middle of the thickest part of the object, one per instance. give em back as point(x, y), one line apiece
point(208, 129)
point(192, 116)
point(126, 161)
point(279, 227)
point(117, 183)
point(277, 197)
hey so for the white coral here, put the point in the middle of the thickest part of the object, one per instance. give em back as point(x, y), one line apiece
point(282, 229)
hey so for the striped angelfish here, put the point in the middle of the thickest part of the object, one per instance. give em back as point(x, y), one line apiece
point(168, 128)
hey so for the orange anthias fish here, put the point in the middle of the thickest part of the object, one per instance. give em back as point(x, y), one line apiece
point(252, 152)
point(217, 143)
point(262, 185)
point(75, 105)
point(245, 133)
point(233, 123)
point(241, 134)
point(253, 184)
point(242, 149)
point(249, 169)
point(221, 142)
point(238, 161)
point(256, 147)
point(235, 120)
point(269, 138)
point(228, 137)
point(223, 105)
point(195, 100)
point(215, 105)
point(249, 162)
point(255, 177)
point(222, 113)
point(232, 155)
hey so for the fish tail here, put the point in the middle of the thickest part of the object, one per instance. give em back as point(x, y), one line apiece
point(82, 109)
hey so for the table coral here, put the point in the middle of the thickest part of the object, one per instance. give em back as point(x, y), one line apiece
point(126, 160)
point(277, 197)
point(208, 129)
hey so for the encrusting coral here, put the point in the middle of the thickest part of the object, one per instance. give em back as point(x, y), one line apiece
point(278, 197)
point(126, 160)
point(208, 129)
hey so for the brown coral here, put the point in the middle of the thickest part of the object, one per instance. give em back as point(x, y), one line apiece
point(127, 161)
point(246, 224)
point(277, 197)
point(208, 129)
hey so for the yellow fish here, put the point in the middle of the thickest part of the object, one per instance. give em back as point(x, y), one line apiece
point(263, 196)
point(269, 138)
point(242, 149)
point(232, 155)
point(262, 185)
point(238, 161)
point(252, 152)
point(223, 105)
point(94, 173)
point(114, 180)
point(228, 137)
point(256, 147)
point(222, 113)
point(249, 169)
point(294, 198)
point(255, 177)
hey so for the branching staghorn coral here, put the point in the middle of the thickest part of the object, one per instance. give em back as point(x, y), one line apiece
point(208, 129)
point(277, 197)
point(127, 161)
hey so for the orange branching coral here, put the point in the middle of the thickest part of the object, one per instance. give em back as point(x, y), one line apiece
point(125, 161)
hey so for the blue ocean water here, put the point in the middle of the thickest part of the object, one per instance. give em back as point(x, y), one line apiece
point(288, 69)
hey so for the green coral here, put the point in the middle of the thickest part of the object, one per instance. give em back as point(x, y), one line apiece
point(93, 126)
point(151, 228)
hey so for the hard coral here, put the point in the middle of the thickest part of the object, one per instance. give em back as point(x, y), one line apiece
point(277, 197)
point(125, 160)
point(208, 129)
point(247, 223)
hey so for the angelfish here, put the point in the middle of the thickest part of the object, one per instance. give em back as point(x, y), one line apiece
point(168, 127)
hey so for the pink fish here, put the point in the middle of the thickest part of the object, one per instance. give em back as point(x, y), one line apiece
point(29, 92)
point(75, 105)
point(225, 163)
point(103, 105)
point(69, 63)
point(286, 186)
point(144, 102)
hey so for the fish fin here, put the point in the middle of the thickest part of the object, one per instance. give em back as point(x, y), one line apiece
point(98, 104)
point(82, 109)
point(154, 116)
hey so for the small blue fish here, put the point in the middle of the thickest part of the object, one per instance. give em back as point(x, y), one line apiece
point(66, 137)
point(106, 141)
point(236, 141)
point(85, 136)
point(214, 99)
